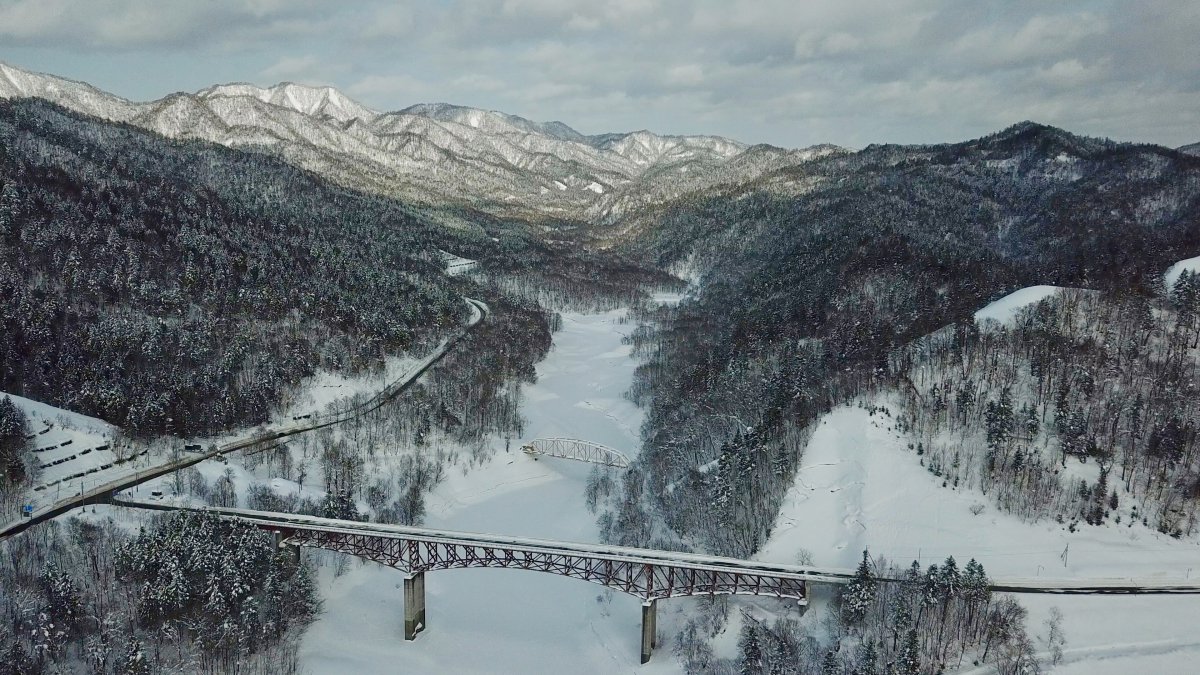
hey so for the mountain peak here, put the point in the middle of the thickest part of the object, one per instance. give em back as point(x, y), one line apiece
point(20, 83)
point(317, 101)
point(434, 153)
point(1048, 139)
point(491, 120)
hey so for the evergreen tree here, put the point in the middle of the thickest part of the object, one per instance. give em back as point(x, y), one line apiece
point(134, 662)
point(63, 605)
point(750, 649)
point(975, 583)
point(13, 429)
point(999, 420)
point(830, 664)
point(859, 594)
point(949, 580)
point(1031, 422)
point(908, 662)
point(866, 659)
point(16, 661)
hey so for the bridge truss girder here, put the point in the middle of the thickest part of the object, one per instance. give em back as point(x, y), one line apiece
point(646, 581)
point(572, 448)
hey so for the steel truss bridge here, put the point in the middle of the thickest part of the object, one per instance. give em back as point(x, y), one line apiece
point(570, 448)
point(646, 574)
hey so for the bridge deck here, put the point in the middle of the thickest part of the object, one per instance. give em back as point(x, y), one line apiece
point(642, 556)
point(616, 554)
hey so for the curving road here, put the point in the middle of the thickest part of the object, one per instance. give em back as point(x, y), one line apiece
point(101, 493)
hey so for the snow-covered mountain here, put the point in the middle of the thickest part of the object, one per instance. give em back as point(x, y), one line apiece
point(434, 153)
point(17, 83)
point(1192, 149)
point(319, 102)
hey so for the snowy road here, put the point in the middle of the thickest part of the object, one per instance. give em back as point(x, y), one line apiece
point(102, 492)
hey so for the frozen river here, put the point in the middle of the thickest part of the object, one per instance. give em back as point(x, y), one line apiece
point(490, 621)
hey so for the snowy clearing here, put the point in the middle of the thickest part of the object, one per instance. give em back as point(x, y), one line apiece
point(70, 450)
point(1175, 271)
point(1005, 309)
point(316, 393)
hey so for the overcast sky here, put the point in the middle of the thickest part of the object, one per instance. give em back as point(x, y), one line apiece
point(788, 72)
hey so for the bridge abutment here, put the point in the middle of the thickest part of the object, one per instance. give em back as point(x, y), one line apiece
point(414, 605)
point(291, 550)
point(649, 628)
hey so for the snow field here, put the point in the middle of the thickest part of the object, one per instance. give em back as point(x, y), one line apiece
point(1005, 309)
point(860, 486)
point(319, 391)
point(69, 449)
point(1175, 271)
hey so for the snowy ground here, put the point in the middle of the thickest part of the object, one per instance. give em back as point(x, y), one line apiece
point(1005, 309)
point(487, 621)
point(326, 387)
point(860, 486)
point(70, 449)
point(1175, 271)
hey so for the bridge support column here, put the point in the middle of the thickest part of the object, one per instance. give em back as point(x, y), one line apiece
point(292, 550)
point(414, 605)
point(649, 628)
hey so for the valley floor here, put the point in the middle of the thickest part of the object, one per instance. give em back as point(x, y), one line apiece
point(488, 621)
point(859, 486)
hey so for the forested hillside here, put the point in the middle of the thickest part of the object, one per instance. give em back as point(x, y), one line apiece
point(1083, 410)
point(183, 287)
point(189, 594)
point(814, 274)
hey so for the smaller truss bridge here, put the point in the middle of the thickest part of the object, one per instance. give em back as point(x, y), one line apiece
point(571, 448)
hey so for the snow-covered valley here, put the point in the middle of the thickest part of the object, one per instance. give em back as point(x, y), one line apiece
point(859, 486)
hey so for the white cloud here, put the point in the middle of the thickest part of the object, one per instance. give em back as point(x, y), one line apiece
point(134, 24)
point(307, 69)
point(778, 71)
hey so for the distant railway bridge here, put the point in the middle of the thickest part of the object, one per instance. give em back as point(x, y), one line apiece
point(571, 448)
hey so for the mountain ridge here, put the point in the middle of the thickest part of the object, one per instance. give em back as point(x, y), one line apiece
point(433, 153)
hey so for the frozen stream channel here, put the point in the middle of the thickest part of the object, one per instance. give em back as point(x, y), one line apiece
point(499, 621)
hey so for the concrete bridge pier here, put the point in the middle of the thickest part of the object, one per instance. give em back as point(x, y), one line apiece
point(414, 605)
point(649, 628)
point(292, 550)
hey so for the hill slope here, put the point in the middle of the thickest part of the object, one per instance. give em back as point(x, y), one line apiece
point(812, 276)
point(184, 288)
